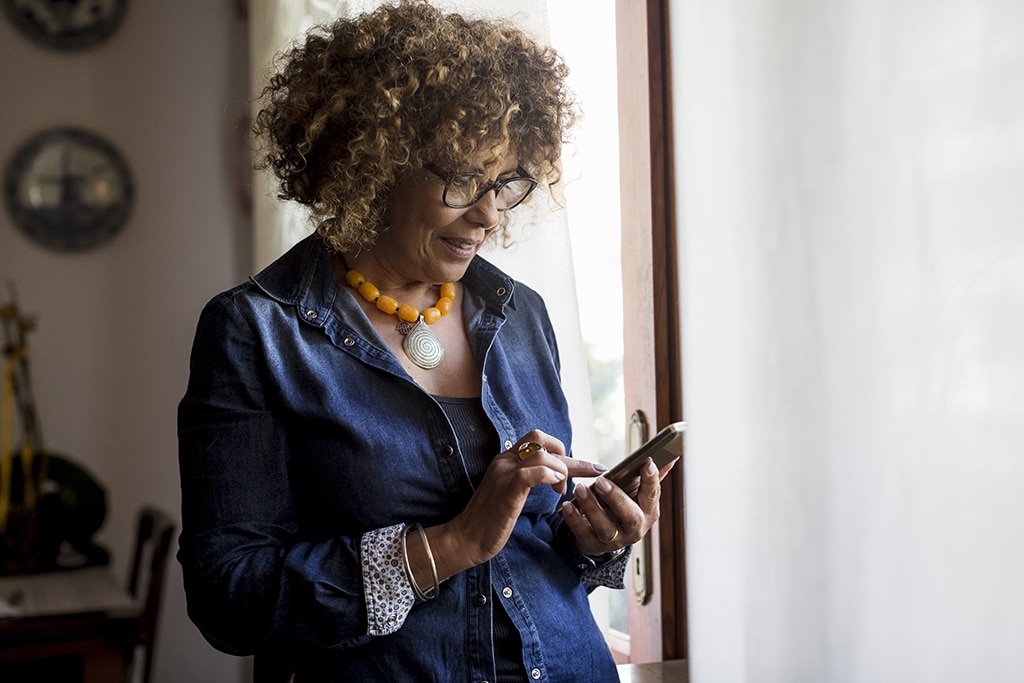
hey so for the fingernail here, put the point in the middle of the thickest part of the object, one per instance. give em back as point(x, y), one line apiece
point(603, 485)
point(559, 476)
point(651, 468)
point(567, 508)
point(580, 491)
point(600, 467)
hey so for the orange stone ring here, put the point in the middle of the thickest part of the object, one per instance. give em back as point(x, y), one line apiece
point(528, 449)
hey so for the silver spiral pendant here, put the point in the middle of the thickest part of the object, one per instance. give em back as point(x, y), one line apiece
point(422, 346)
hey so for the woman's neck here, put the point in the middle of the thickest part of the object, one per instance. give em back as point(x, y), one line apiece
point(387, 279)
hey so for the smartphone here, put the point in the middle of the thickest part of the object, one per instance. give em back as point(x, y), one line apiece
point(666, 446)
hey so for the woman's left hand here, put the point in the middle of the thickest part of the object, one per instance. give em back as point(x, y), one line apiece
point(605, 519)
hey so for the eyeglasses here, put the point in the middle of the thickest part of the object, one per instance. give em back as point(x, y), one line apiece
point(465, 190)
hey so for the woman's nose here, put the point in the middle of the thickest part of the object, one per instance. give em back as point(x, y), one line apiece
point(485, 212)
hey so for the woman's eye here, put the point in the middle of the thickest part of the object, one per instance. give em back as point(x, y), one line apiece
point(464, 186)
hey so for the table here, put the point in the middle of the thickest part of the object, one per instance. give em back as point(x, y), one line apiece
point(78, 624)
point(656, 672)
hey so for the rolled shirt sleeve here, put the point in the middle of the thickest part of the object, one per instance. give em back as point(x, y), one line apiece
point(610, 573)
point(389, 594)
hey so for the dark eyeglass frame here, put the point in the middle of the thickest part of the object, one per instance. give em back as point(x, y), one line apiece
point(494, 185)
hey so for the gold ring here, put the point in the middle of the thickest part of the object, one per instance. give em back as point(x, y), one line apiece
point(527, 449)
point(609, 541)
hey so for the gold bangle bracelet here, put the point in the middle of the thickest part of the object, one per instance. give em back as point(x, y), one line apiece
point(421, 595)
point(405, 561)
point(436, 588)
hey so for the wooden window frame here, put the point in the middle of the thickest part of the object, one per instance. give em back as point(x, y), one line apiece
point(652, 360)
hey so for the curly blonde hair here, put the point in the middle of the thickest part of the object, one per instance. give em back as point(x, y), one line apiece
point(363, 100)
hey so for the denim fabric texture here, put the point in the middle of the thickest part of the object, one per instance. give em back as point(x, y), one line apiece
point(300, 431)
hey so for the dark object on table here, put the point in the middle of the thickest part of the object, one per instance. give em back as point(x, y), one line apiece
point(72, 507)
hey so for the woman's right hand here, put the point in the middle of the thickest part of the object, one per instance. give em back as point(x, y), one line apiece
point(481, 530)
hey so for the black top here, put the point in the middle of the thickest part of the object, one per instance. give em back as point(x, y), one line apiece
point(478, 443)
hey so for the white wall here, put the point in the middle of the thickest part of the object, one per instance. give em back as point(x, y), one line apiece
point(852, 301)
point(115, 324)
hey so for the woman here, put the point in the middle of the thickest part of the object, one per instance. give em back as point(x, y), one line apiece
point(373, 442)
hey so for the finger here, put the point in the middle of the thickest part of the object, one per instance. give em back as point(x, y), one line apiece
point(584, 468)
point(550, 443)
point(650, 489)
point(534, 454)
point(527, 449)
point(610, 495)
point(586, 537)
point(545, 467)
point(600, 518)
point(627, 513)
point(541, 473)
point(663, 472)
point(596, 533)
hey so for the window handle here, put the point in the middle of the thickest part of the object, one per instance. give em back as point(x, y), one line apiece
point(640, 563)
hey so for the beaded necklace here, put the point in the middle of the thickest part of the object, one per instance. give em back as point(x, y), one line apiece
point(420, 343)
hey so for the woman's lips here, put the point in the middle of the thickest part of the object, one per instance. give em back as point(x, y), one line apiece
point(463, 248)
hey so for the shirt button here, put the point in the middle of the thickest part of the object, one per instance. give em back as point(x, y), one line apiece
point(349, 341)
point(507, 592)
point(447, 451)
point(311, 314)
point(535, 674)
point(508, 445)
point(480, 600)
point(501, 291)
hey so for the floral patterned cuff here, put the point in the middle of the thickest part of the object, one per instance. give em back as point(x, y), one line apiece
point(611, 574)
point(389, 595)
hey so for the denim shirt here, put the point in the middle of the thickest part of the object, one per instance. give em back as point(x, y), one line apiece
point(300, 432)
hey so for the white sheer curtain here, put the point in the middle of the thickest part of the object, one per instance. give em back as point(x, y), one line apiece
point(852, 226)
point(542, 255)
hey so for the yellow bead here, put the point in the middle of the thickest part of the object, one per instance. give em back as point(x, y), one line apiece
point(448, 290)
point(430, 315)
point(354, 278)
point(369, 292)
point(387, 304)
point(444, 304)
point(409, 314)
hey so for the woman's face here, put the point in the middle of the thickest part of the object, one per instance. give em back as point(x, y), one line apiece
point(428, 241)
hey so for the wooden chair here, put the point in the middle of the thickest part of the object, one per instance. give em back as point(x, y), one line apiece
point(96, 646)
point(153, 538)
